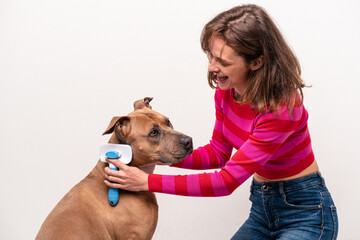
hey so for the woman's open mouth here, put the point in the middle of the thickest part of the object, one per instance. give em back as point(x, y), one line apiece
point(221, 79)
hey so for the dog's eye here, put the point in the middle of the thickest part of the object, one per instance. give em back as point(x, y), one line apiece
point(154, 133)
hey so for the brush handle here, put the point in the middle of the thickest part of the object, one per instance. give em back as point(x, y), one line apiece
point(113, 193)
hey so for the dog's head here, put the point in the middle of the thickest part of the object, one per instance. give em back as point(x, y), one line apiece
point(151, 136)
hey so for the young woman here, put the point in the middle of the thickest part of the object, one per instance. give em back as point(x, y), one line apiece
point(260, 113)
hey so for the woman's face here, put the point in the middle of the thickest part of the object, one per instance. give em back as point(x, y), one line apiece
point(231, 70)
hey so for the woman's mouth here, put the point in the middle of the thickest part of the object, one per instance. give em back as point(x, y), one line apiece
point(221, 79)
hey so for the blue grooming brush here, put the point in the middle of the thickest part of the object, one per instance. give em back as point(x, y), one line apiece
point(113, 193)
point(122, 152)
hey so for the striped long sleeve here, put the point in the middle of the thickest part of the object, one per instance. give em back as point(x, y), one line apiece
point(213, 155)
point(274, 145)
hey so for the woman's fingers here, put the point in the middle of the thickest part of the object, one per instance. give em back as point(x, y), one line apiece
point(127, 178)
point(114, 181)
point(115, 185)
point(113, 173)
point(116, 162)
point(111, 178)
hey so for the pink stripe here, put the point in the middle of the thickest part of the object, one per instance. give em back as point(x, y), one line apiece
point(218, 126)
point(218, 184)
point(193, 185)
point(288, 146)
point(284, 115)
point(235, 140)
point(270, 136)
point(286, 163)
point(219, 100)
point(220, 146)
point(254, 153)
point(281, 164)
point(205, 161)
point(168, 182)
point(237, 171)
point(242, 123)
point(295, 115)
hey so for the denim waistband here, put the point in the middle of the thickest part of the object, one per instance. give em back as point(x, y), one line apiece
point(287, 186)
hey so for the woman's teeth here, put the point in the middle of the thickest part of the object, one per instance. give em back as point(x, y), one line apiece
point(222, 79)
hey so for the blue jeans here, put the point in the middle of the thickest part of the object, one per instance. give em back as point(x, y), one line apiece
point(296, 209)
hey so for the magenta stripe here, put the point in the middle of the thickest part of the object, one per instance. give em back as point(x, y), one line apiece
point(306, 151)
point(237, 171)
point(218, 108)
point(302, 124)
point(168, 183)
point(193, 185)
point(188, 162)
point(218, 184)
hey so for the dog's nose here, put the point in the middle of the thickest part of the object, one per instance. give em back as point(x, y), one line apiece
point(186, 142)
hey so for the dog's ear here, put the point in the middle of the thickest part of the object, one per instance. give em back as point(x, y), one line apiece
point(118, 123)
point(121, 126)
point(142, 103)
point(111, 126)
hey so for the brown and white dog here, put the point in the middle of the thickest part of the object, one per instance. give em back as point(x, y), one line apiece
point(85, 213)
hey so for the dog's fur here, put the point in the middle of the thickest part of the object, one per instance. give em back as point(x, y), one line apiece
point(85, 213)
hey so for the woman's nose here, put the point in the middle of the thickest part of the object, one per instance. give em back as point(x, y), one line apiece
point(212, 67)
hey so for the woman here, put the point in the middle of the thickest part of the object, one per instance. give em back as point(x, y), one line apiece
point(259, 112)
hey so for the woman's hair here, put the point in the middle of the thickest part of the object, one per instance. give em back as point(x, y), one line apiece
point(251, 33)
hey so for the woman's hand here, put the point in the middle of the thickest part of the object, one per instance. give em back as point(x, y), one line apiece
point(127, 178)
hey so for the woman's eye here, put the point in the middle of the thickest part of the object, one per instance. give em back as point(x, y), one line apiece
point(224, 64)
point(154, 133)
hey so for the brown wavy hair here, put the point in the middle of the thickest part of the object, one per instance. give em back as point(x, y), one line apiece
point(251, 33)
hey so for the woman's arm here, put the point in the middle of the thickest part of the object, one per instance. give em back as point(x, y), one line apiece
point(270, 132)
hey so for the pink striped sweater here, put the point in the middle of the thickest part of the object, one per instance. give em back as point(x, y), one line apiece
point(272, 145)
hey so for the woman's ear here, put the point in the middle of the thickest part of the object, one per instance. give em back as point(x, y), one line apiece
point(257, 63)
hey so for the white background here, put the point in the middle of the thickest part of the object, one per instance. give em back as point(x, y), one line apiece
point(67, 67)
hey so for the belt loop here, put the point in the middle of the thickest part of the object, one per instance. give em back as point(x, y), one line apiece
point(281, 188)
point(322, 180)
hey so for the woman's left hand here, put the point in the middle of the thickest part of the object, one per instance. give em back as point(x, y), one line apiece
point(127, 178)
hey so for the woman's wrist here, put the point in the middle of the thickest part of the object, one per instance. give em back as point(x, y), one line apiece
point(146, 183)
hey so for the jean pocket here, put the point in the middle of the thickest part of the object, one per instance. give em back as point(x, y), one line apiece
point(305, 198)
